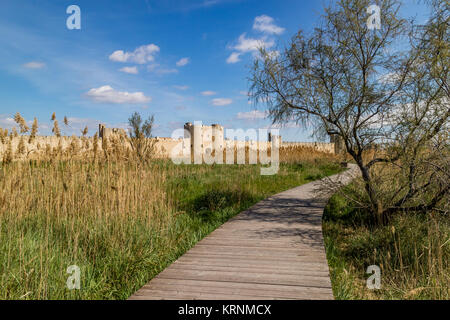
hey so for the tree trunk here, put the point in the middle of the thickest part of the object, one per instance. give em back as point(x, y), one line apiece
point(376, 206)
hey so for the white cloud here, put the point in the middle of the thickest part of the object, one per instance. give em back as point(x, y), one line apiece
point(250, 44)
point(221, 101)
point(108, 94)
point(182, 62)
point(34, 65)
point(6, 122)
point(140, 55)
point(166, 70)
point(286, 125)
point(181, 87)
point(251, 115)
point(234, 57)
point(131, 70)
point(245, 45)
point(265, 24)
point(152, 67)
point(156, 68)
point(208, 93)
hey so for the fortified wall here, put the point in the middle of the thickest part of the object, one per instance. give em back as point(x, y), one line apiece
point(110, 132)
point(23, 147)
point(199, 140)
point(203, 137)
point(204, 140)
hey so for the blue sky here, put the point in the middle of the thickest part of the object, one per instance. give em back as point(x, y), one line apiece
point(179, 60)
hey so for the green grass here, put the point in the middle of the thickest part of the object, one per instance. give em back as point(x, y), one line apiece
point(412, 250)
point(121, 224)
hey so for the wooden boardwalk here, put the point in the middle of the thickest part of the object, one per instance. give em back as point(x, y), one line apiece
point(274, 250)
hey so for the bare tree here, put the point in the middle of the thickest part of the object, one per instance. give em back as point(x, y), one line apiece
point(370, 87)
point(420, 125)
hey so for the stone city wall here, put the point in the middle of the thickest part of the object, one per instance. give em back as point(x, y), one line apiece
point(319, 146)
point(200, 139)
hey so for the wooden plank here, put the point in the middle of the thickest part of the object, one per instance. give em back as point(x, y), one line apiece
point(265, 290)
point(250, 243)
point(229, 284)
point(309, 266)
point(248, 239)
point(174, 294)
point(269, 293)
point(255, 257)
point(255, 269)
point(264, 249)
point(260, 252)
point(249, 277)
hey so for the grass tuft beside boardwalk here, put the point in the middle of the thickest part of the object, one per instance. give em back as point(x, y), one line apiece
point(412, 250)
point(120, 222)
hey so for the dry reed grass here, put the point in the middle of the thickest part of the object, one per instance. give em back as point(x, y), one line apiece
point(91, 203)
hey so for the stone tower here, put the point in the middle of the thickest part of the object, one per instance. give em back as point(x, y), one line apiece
point(339, 146)
point(217, 142)
point(271, 137)
point(204, 139)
